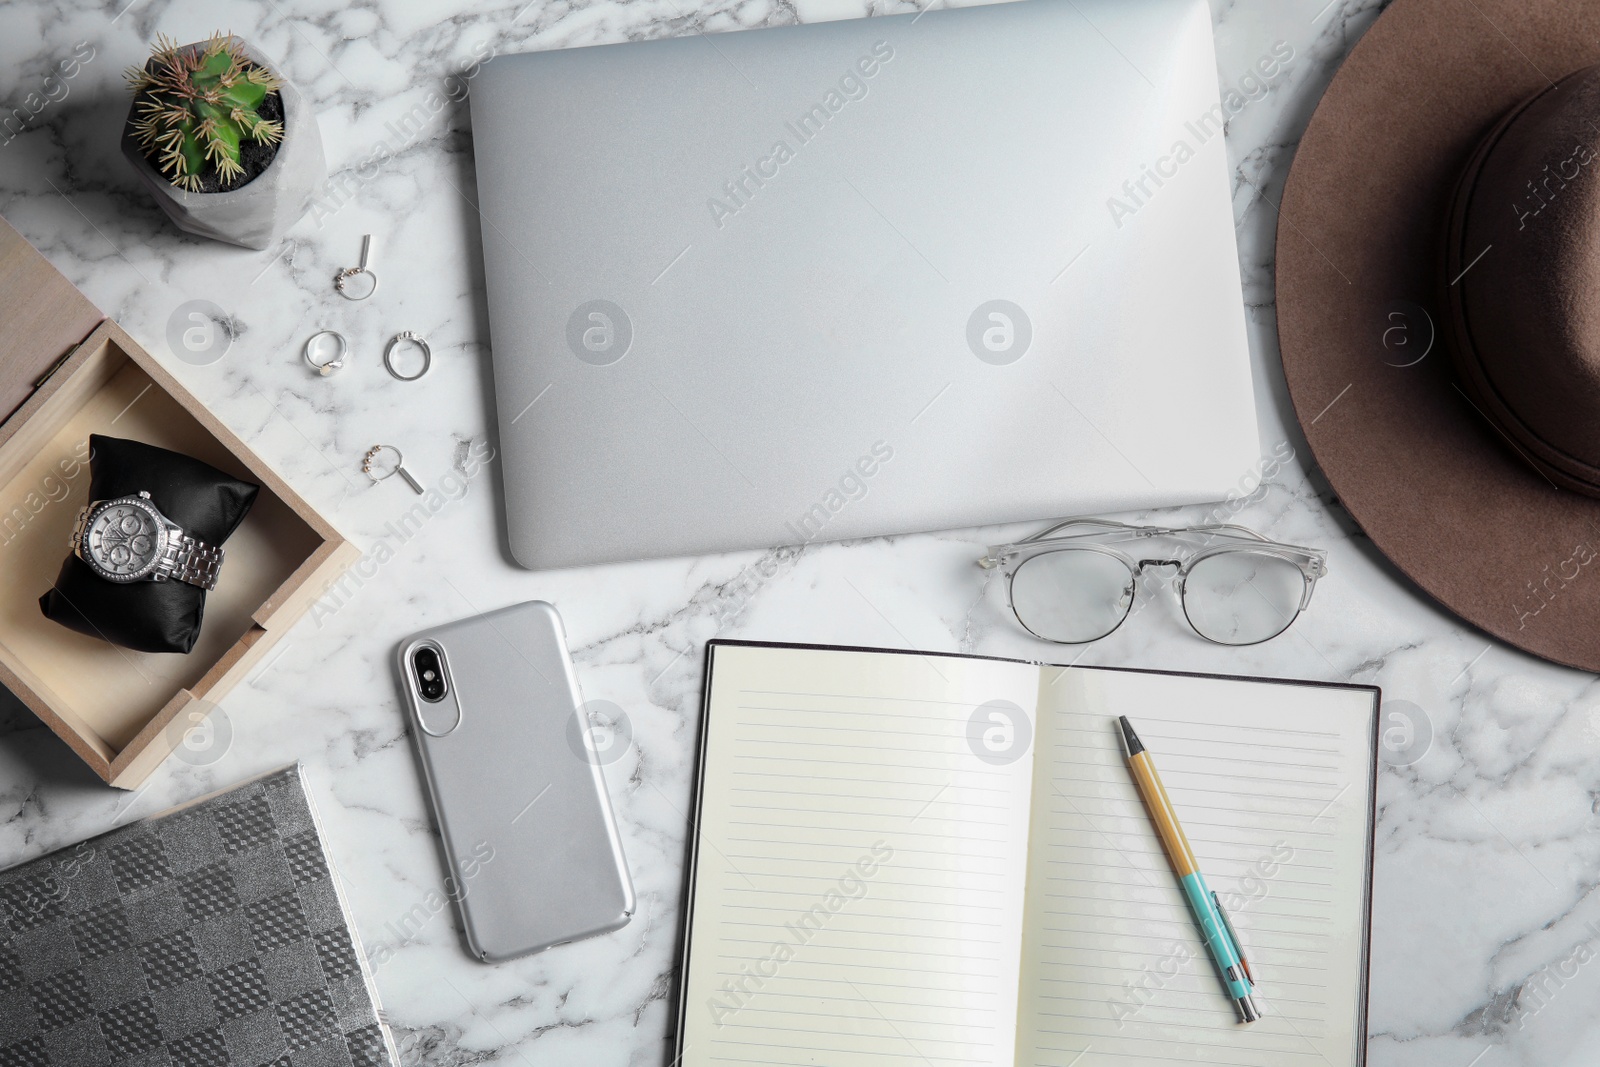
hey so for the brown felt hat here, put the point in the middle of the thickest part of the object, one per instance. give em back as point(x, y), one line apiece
point(1438, 279)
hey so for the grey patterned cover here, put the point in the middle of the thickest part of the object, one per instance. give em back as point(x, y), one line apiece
point(211, 934)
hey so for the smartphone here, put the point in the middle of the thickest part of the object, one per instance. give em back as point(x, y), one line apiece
point(516, 786)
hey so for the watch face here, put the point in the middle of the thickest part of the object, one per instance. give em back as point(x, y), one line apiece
point(124, 540)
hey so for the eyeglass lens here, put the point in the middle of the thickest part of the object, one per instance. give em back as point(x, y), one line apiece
point(1239, 598)
point(1073, 595)
point(1234, 598)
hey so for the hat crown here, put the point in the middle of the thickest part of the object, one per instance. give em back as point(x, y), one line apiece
point(1523, 274)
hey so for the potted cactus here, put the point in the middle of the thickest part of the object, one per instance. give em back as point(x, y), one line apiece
point(226, 145)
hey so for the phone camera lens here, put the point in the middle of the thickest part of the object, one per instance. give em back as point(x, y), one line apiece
point(430, 673)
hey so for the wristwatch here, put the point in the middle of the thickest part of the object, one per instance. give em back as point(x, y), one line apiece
point(127, 539)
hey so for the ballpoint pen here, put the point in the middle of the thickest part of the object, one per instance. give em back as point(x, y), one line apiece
point(1215, 926)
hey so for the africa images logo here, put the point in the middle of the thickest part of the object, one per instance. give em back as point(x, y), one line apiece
point(1253, 85)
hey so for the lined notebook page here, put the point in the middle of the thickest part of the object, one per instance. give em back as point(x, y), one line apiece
point(1272, 784)
point(858, 892)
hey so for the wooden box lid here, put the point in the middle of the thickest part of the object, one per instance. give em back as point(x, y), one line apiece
point(44, 317)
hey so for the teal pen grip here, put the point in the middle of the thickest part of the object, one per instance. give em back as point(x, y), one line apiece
point(1218, 943)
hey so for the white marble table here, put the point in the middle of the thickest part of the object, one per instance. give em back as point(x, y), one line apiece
point(1488, 847)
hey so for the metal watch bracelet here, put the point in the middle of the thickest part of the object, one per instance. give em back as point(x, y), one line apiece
point(192, 561)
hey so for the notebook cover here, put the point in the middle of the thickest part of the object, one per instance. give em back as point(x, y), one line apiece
point(213, 933)
point(687, 910)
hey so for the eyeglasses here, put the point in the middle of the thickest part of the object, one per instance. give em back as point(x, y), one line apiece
point(1076, 581)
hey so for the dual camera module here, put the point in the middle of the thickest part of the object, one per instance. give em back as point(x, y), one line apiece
point(428, 671)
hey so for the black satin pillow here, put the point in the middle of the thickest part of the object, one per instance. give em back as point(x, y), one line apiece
point(148, 616)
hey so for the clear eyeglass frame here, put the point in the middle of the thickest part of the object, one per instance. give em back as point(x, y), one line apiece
point(1119, 540)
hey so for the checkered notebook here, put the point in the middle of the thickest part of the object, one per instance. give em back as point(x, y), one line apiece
point(211, 934)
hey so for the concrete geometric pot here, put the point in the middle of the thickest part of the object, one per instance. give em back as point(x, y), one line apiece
point(256, 214)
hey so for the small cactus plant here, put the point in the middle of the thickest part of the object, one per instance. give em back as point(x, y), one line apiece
point(195, 105)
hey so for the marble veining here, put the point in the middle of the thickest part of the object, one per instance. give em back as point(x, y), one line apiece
point(1488, 850)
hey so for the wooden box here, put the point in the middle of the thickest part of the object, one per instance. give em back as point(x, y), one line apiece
point(66, 372)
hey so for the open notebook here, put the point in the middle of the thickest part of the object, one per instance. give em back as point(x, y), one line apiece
point(926, 860)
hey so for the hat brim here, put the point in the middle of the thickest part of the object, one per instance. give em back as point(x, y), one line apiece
point(1359, 272)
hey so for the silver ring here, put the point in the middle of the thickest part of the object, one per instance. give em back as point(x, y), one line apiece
point(399, 467)
point(327, 366)
point(344, 276)
point(416, 339)
point(373, 453)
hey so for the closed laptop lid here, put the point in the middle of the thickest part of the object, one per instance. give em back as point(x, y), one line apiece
point(862, 277)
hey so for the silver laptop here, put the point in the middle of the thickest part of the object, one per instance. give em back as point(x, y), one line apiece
point(858, 278)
